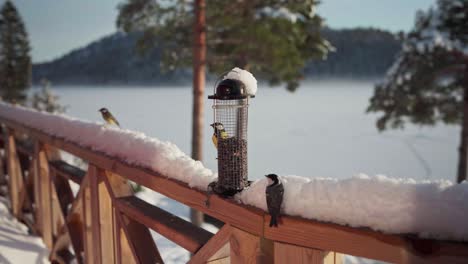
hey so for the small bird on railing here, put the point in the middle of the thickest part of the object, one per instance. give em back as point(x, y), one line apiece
point(219, 132)
point(108, 117)
point(274, 197)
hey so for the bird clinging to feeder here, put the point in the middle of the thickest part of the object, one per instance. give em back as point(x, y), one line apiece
point(218, 133)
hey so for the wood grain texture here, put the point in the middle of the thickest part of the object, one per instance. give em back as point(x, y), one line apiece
point(245, 247)
point(45, 192)
point(88, 232)
point(58, 217)
point(14, 173)
point(106, 222)
point(127, 253)
point(359, 242)
point(37, 189)
point(95, 216)
point(174, 228)
point(140, 239)
point(218, 242)
point(287, 253)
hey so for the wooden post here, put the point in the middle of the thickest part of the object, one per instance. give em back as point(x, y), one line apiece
point(14, 173)
point(248, 248)
point(92, 215)
point(132, 235)
point(287, 253)
point(106, 218)
point(45, 193)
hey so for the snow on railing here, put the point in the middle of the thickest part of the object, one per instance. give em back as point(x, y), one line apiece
point(431, 209)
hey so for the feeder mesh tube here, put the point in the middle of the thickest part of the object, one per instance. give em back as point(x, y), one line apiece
point(232, 145)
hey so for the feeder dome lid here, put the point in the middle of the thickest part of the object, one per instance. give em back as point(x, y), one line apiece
point(230, 89)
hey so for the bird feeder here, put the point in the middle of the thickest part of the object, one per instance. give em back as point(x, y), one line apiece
point(230, 105)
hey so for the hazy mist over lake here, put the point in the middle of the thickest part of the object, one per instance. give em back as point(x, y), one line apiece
point(321, 130)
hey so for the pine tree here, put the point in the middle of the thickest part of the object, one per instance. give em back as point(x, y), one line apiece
point(428, 82)
point(15, 62)
point(271, 38)
point(46, 100)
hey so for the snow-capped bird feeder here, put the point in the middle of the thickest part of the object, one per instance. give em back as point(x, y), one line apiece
point(230, 106)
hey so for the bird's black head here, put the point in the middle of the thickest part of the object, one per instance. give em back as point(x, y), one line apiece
point(217, 126)
point(103, 110)
point(272, 177)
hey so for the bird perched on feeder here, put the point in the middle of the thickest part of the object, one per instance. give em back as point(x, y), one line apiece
point(108, 117)
point(274, 198)
point(219, 133)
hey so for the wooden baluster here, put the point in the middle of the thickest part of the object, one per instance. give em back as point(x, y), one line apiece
point(44, 193)
point(14, 173)
point(134, 233)
point(106, 218)
point(37, 192)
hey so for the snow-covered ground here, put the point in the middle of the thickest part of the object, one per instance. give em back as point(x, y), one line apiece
point(16, 245)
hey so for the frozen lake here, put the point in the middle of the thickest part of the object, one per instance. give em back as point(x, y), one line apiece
point(321, 130)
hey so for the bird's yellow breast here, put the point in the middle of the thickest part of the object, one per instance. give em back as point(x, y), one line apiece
point(214, 138)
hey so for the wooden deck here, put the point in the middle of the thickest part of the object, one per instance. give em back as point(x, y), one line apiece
point(105, 223)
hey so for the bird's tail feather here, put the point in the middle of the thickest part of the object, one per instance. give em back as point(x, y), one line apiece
point(274, 220)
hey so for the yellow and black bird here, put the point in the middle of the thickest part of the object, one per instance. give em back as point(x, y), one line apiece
point(219, 132)
point(108, 117)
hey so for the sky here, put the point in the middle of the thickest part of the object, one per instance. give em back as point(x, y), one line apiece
point(56, 27)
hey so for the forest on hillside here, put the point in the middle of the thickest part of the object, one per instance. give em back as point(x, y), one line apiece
point(360, 53)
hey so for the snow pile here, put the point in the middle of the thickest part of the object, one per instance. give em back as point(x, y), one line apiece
point(437, 209)
point(16, 245)
point(245, 77)
point(133, 147)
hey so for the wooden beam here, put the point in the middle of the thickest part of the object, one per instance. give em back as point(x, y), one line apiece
point(126, 251)
point(227, 210)
point(37, 190)
point(245, 247)
point(139, 236)
point(176, 229)
point(218, 242)
point(25, 148)
point(76, 222)
point(58, 217)
point(358, 242)
point(90, 254)
point(68, 171)
point(94, 211)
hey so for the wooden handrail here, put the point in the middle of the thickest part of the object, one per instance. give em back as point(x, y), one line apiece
point(166, 224)
point(68, 171)
point(104, 222)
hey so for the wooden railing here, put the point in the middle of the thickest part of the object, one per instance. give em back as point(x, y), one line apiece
point(105, 223)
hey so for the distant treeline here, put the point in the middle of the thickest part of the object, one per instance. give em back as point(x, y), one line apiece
point(360, 53)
